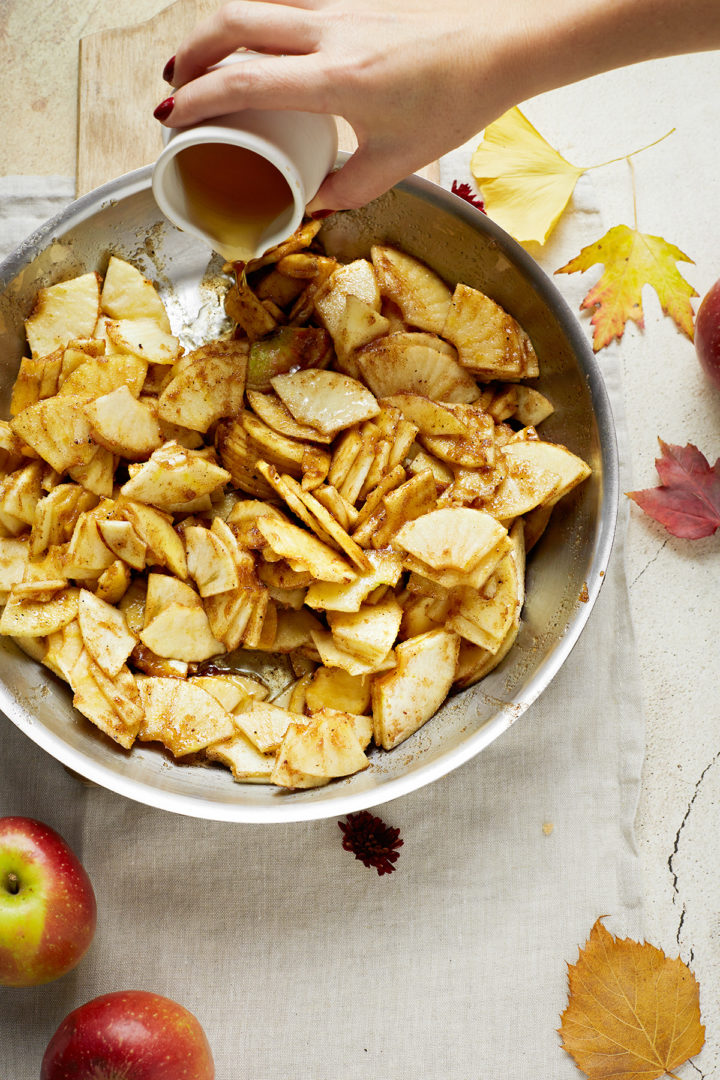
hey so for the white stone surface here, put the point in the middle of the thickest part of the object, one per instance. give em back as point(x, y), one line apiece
point(673, 583)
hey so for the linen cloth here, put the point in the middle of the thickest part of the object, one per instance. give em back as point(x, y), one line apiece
point(297, 959)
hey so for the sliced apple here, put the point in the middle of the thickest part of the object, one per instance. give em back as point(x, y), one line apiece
point(124, 425)
point(94, 697)
point(21, 491)
point(361, 724)
point(473, 450)
point(100, 375)
point(181, 633)
point(294, 630)
point(336, 689)
point(397, 364)
point(63, 311)
point(455, 538)
point(404, 699)
point(327, 746)
point(228, 691)
point(63, 649)
point(356, 278)
point(488, 340)
point(247, 764)
point(326, 400)
point(313, 514)
point(474, 578)
point(157, 533)
point(35, 618)
point(14, 555)
point(290, 455)
point(105, 632)
point(173, 475)
point(276, 415)
point(429, 417)
point(369, 633)
point(210, 564)
point(357, 324)
point(182, 716)
point(114, 582)
point(551, 458)
point(163, 590)
point(210, 386)
point(58, 430)
point(386, 567)
point(145, 339)
point(303, 551)
point(123, 541)
point(87, 554)
point(240, 456)
point(532, 406)
point(334, 655)
point(265, 725)
point(127, 294)
point(485, 617)
point(289, 348)
point(37, 379)
point(417, 496)
point(422, 296)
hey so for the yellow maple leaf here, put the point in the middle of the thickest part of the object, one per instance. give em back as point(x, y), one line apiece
point(632, 259)
point(632, 1013)
point(526, 183)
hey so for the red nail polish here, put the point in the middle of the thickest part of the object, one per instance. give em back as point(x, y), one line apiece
point(164, 109)
point(318, 215)
point(169, 70)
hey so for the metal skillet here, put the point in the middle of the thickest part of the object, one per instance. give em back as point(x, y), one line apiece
point(565, 570)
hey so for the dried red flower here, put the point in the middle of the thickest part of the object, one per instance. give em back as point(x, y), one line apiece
point(371, 841)
point(465, 192)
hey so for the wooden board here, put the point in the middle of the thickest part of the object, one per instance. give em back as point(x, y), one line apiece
point(120, 83)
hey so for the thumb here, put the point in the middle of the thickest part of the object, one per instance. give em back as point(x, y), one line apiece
point(371, 171)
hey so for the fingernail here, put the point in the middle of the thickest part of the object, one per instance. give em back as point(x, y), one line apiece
point(169, 70)
point(318, 215)
point(164, 109)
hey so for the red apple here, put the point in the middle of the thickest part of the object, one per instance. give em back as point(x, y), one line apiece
point(47, 904)
point(707, 333)
point(129, 1035)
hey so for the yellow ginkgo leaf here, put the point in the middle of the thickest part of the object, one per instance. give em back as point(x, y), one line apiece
point(526, 183)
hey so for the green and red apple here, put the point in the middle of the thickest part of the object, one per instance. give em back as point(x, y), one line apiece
point(47, 904)
point(129, 1035)
point(707, 333)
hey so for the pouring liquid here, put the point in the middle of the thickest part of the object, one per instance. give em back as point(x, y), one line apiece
point(233, 195)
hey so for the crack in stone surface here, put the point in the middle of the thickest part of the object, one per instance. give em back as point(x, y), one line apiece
point(647, 565)
point(676, 844)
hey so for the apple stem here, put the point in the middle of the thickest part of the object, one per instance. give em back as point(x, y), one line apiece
point(12, 882)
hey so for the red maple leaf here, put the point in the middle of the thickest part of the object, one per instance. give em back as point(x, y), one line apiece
point(687, 502)
point(465, 192)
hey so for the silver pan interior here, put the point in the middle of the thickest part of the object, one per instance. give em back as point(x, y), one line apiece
point(461, 244)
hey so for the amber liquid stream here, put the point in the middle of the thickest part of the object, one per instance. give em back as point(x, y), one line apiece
point(233, 195)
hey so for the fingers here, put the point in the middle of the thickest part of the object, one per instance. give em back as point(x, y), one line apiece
point(277, 82)
point(370, 172)
point(273, 27)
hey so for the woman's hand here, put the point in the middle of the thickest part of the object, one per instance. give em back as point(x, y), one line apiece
point(414, 78)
